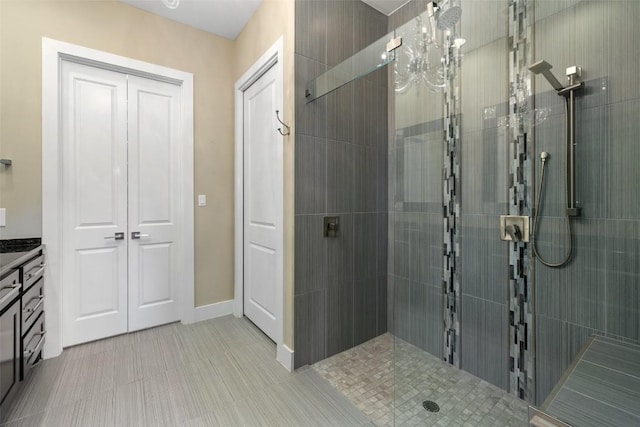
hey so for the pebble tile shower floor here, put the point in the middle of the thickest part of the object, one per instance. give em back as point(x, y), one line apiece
point(371, 374)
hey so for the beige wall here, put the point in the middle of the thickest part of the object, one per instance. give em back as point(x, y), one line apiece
point(117, 28)
point(275, 18)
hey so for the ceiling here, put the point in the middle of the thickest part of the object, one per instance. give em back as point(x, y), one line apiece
point(227, 18)
point(386, 6)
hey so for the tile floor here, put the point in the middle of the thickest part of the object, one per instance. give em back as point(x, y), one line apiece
point(223, 372)
point(372, 374)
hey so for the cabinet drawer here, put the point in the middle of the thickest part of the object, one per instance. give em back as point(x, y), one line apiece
point(33, 270)
point(9, 289)
point(32, 346)
point(32, 304)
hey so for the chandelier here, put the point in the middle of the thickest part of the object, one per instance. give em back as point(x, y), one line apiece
point(421, 61)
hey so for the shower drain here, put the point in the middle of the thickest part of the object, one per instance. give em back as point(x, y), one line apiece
point(430, 406)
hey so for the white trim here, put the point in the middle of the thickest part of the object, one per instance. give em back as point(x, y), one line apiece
point(273, 57)
point(53, 52)
point(211, 311)
point(285, 357)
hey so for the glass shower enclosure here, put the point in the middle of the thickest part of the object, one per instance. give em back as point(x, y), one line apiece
point(481, 328)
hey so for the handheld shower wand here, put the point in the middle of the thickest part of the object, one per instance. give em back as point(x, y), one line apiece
point(568, 92)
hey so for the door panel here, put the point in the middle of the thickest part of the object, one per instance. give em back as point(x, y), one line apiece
point(94, 193)
point(262, 202)
point(153, 193)
point(98, 272)
point(154, 274)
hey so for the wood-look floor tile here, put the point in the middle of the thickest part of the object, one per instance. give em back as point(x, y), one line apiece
point(157, 402)
point(129, 404)
point(185, 396)
point(219, 383)
point(172, 352)
point(88, 349)
point(84, 377)
point(215, 373)
point(223, 416)
point(35, 420)
point(200, 342)
point(37, 391)
point(309, 394)
point(259, 365)
point(95, 411)
point(238, 332)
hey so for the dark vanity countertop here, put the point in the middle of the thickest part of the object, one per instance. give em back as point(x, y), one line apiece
point(14, 252)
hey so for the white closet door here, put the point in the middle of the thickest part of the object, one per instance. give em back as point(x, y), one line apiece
point(94, 197)
point(154, 194)
point(262, 204)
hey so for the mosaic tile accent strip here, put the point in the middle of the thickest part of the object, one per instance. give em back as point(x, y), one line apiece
point(521, 333)
point(372, 375)
point(451, 176)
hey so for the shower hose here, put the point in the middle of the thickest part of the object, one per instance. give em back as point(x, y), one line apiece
point(536, 215)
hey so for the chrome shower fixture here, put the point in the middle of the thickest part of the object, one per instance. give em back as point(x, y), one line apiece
point(544, 156)
point(572, 211)
point(544, 68)
point(568, 92)
point(448, 14)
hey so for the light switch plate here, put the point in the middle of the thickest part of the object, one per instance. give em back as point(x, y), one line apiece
point(3, 217)
point(202, 200)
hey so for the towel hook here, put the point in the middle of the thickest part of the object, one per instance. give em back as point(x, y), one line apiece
point(288, 132)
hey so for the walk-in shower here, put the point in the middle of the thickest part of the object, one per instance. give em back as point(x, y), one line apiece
point(488, 140)
point(572, 211)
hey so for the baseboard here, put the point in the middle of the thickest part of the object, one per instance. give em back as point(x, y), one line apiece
point(211, 311)
point(285, 357)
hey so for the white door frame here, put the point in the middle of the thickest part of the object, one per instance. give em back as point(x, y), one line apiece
point(53, 52)
point(273, 57)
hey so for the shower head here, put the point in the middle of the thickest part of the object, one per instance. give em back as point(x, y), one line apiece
point(544, 68)
point(448, 15)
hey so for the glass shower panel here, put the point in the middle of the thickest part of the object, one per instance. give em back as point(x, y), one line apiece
point(358, 65)
point(416, 231)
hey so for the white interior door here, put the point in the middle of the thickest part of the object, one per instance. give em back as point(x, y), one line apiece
point(153, 192)
point(262, 204)
point(94, 175)
point(121, 165)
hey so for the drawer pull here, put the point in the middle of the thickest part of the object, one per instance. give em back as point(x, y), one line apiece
point(37, 273)
point(10, 295)
point(40, 299)
point(38, 347)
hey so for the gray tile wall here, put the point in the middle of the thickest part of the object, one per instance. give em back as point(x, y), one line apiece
point(598, 292)
point(416, 206)
point(340, 169)
point(484, 190)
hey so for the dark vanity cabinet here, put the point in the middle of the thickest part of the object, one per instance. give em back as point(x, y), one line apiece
point(9, 339)
point(32, 326)
point(21, 318)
